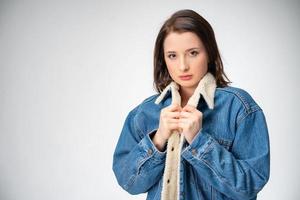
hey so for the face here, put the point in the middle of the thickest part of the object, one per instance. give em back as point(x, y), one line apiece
point(185, 54)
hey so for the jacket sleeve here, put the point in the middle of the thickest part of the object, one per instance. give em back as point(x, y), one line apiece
point(240, 173)
point(137, 163)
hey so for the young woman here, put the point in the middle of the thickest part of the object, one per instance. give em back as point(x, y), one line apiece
point(226, 152)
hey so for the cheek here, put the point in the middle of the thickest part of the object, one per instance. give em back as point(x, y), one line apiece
point(201, 62)
point(170, 70)
point(171, 66)
point(198, 66)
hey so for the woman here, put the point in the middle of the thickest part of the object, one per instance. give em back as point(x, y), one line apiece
point(226, 150)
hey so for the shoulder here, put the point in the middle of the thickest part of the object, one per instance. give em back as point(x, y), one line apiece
point(150, 99)
point(146, 104)
point(240, 96)
point(144, 115)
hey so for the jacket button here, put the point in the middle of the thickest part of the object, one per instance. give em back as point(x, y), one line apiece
point(194, 152)
point(149, 152)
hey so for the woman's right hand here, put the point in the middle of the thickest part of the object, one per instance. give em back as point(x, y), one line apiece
point(169, 117)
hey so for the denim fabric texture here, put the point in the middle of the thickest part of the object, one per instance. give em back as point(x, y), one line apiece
point(229, 158)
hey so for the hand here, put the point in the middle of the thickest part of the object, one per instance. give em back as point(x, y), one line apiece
point(169, 118)
point(190, 122)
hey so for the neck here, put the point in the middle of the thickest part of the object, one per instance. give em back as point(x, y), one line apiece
point(185, 94)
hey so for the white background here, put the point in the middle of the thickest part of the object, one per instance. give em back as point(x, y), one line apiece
point(70, 71)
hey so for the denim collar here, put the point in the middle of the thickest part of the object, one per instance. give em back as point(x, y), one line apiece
point(206, 87)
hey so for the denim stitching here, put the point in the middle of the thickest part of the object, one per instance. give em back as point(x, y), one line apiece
point(237, 94)
point(249, 109)
point(222, 179)
point(244, 117)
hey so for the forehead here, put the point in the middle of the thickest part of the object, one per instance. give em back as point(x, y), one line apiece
point(181, 41)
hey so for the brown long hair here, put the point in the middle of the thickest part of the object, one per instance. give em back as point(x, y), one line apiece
point(187, 21)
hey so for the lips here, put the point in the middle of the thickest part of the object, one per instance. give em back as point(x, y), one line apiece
point(185, 77)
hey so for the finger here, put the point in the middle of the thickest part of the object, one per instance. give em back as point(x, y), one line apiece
point(183, 120)
point(175, 121)
point(189, 108)
point(174, 107)
point(175, 115)
point(174, 127)
point(182, 126)
point(185, 114)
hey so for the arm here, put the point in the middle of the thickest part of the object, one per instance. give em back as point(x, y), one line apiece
point(241, 173)
point(137, 163)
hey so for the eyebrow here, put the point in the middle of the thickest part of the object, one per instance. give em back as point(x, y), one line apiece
point(185, 50)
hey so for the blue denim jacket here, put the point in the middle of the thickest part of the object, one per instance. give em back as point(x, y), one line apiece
point(229, 158)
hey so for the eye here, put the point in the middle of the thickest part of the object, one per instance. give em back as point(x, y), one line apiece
point(194, 53)
point(171, 56)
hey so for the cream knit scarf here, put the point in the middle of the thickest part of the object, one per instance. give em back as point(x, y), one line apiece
point(171, 177)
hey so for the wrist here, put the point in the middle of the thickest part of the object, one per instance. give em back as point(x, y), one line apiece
point(158, 141)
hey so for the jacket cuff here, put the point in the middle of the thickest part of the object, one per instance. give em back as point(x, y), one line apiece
point(150, 149)
point(199, 146)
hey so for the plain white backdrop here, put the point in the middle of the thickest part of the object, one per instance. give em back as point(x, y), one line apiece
point(70, 71)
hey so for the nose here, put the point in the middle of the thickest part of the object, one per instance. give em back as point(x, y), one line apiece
point(183, 66)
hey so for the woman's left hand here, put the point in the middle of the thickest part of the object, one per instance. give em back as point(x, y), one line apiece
point(190, 122)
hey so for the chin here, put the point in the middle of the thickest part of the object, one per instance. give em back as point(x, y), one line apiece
point(188, 84)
